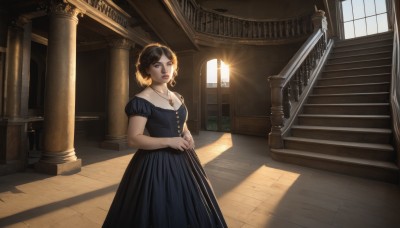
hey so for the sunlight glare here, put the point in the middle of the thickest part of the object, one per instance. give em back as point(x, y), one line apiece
point(212, 73)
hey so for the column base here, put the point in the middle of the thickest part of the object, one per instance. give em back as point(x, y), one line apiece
point(12, 167)
point(120, 144)
point(13, 146)
point(59, 169)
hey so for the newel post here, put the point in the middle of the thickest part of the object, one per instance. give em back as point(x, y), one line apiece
point(319, 21)
point(275, 139)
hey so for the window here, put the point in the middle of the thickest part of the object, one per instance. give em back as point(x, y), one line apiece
point(212, 73)
point(217, 97)
point(364, 17)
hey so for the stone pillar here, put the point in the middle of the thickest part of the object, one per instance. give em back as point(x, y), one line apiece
point(4, 21)
point(26, 68)
point(58, 153)
point(13, 80)
point(13, 149)
point(118, 95)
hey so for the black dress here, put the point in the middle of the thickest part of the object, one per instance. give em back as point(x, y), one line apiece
point(163, 187)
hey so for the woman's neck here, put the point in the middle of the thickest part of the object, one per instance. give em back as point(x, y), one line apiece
point(161, 88)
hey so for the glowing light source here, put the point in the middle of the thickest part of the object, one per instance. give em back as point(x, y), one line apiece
point(212, 72)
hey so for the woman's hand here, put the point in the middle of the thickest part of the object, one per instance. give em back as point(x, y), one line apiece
point(189, 138)
point(178, 143)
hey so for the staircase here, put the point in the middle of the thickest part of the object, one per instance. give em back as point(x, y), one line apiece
point(345, 125)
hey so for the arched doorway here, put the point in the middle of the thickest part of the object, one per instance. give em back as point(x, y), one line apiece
point(217, 102)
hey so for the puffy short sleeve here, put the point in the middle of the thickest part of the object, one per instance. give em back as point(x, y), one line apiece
point(138, 107)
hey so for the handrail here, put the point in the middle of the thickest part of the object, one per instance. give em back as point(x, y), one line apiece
point(209, 22)
point(395, 83)
point(292, 84)
point(295, 62)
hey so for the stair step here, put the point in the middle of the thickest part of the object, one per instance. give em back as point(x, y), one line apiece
point(353, 88)
point(340, 45)
point(369, 121)
point(376, 55)
point(385, 77)
point(348, 109)
point(378, 97)
point(357, 71)
point(359, 63)
point(345, 126)
point(376, 170)
point(346, 134)
point(361, 51)
point(365, 39)
point(353, 149)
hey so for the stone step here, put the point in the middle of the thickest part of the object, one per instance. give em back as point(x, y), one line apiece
point(378, 97)
point(370, 78)
point(353, 88)
point(361, 57)
point(368, 121)
point(357, 71)
point(348, 109)
point(365, 39)
point(376, 170)
point(345, 134)
point(358, 63)
point(361, 51)
point(347, 46)
point(371, 151)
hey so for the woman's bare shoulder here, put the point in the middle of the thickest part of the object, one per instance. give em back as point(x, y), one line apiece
point(144, 94)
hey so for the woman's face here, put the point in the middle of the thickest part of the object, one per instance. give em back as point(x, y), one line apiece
point(161, 71)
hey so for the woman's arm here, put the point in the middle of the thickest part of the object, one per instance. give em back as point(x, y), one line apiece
point(137, 139)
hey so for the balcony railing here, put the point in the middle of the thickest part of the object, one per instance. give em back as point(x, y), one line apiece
point(216, 24)
point(111, 10)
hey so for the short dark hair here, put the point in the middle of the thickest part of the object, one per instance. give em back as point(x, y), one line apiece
point(150, 54)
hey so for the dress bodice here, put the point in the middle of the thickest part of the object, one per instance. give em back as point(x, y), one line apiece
point(161, 122)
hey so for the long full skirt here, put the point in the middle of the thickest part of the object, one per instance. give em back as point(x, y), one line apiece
point(164, 188)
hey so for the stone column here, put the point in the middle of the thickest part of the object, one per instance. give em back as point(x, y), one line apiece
point(26, 68)
point(4, 20)
point(13, 80)
point(13, 149)
point(58, 153)
point(118, 95)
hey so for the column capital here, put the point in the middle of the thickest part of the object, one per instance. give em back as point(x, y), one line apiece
point(62, 8)
point(19, 21)
point(121, 43)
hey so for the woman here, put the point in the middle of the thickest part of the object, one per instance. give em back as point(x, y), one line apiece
point(164, 185)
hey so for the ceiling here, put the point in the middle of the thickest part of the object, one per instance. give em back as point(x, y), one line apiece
point(90, 32)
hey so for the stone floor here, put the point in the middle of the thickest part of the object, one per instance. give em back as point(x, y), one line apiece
point(252, 189)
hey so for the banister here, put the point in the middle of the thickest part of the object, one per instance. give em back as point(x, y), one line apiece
point(295, 62)
point(292, 84)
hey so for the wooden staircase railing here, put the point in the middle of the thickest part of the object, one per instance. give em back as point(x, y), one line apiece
point(291, 86)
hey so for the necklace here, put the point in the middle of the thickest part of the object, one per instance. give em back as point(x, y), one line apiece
point(169, 99)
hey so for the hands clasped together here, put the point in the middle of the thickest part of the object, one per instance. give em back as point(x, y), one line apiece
point(182, 143)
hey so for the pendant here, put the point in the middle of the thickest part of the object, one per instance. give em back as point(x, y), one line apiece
point(171, 102)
